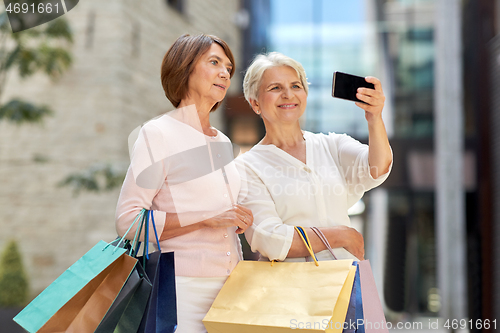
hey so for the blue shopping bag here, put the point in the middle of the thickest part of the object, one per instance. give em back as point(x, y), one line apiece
point(354, 320)
point(161, 313)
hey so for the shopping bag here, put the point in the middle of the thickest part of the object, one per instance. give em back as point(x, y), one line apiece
point(161, 312)
point(281, 297)
point(374, 318)
point(369, 314)
point(127, 310)
point(95, 277)
point(78, 300)
point(360, 327)
point(350, 323)
point(258, 297)
point(132, 317)
point(115, 312)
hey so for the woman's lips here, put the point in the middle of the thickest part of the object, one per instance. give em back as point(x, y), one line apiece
point(287, 106)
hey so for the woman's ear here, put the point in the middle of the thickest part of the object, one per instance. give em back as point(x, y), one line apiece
point(255, 106)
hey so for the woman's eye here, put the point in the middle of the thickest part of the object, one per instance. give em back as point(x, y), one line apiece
point(274, 88)
point(297, 86)
point(214, 62)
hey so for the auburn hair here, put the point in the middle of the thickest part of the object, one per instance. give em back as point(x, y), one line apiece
point(180, 60)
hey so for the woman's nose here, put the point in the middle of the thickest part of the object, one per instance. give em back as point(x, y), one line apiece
point(224, 74)
point(287, 93)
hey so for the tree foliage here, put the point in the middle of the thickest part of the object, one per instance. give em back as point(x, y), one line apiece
point(97, 178)
point(43, 49)
point(13, 280)
point(18, 111)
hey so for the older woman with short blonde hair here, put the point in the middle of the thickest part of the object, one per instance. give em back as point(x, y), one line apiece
point(297, 178)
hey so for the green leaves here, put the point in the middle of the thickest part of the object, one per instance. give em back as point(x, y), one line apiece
point(97, 178)
point(18, 111)
point(39, 50)
point(42, 49)
point(13, 280)
point(59, 29)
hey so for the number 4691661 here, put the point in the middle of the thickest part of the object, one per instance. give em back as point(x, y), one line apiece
point(25, 8)
point(471, 324)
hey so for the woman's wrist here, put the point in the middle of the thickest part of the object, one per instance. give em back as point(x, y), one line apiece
point(336, 236)
point(374, 120)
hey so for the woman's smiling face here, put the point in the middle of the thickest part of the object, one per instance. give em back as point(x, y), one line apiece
point(282, 98)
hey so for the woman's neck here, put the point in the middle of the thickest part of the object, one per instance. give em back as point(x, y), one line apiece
point(203, 110)
point(283, 136)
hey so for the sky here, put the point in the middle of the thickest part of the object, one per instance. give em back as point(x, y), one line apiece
point(331, 11)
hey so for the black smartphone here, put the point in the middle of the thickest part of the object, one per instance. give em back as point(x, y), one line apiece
point(345, 86)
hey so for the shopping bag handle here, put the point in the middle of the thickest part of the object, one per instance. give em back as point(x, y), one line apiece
point(321, 236)
point(136, 244)
point(307, 243)
point(154, 228)
point(145, 225)
point(122, 239)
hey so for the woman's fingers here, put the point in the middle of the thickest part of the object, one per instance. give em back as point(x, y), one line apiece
point(246, 213)
point(375, 81)
point(370, 96)
point(374, 98)
point(238, 216)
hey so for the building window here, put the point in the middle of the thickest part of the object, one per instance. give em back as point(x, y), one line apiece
point(178, 5)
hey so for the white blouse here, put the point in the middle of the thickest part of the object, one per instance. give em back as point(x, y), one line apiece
point(283, 192)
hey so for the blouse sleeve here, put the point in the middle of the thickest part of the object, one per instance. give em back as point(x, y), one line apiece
point(144, 179)
point(268, 235)
point(353, 160)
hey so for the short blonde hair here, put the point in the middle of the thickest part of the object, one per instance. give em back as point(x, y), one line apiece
point(262, 62)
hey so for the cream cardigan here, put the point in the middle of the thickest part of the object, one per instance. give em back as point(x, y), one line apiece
point(175, 168)
point(283, 192)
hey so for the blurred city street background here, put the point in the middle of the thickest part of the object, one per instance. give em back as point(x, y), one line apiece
point(431, 230)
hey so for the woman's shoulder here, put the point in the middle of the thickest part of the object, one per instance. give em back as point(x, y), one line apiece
point(255, 156)
point(158, 123)
point(324, 136)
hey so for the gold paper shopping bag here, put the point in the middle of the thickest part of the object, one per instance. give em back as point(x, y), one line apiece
point(260, 297)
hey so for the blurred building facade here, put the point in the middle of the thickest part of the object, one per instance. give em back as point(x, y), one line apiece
point(113, 87)
point(409, 37)
point(395, 40)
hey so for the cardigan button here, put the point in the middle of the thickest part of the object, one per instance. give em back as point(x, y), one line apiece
point(228, 253)
point(225, 235)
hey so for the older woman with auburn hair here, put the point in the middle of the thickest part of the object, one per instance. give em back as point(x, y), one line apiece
point(182, 169)
point(296, 178)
